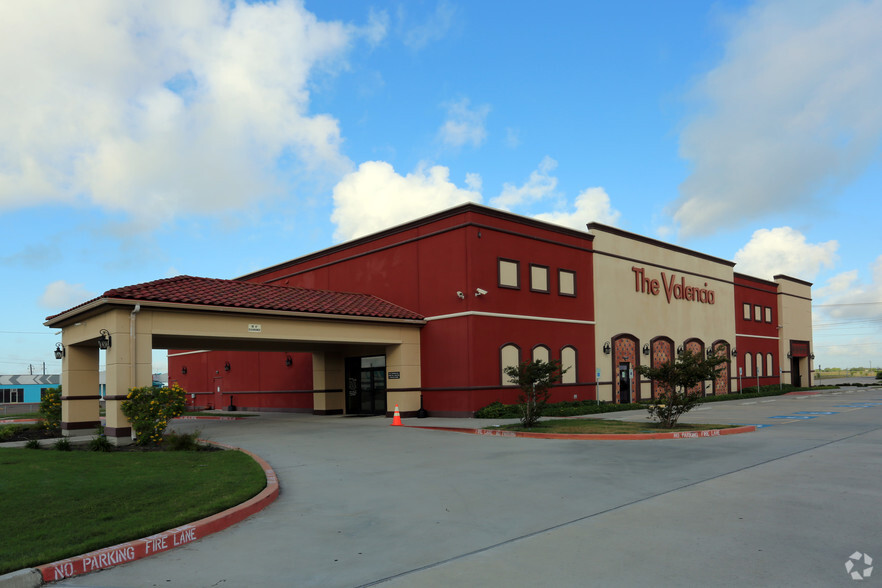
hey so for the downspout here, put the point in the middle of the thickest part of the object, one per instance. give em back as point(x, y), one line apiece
point(132, 339)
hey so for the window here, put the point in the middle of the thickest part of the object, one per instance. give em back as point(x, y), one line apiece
point(759, 365)
point(769, 368)
point(757, 313)
point(509, 274)
point(568, 363)
point(10, 395)
point(768, 314)
point(541, 352)
point(566, 282)
point(746, 311)
point(748, 365)
point(538, 278)
point(509, 355)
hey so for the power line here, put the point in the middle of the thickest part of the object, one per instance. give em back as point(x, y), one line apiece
point(846, 304)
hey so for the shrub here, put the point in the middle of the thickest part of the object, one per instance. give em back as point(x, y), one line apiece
point(150, 409)
point(32, 444)
point(100, 442)
point(62, 444)
point(8, 431)
point(50, 409)
point(182, 441)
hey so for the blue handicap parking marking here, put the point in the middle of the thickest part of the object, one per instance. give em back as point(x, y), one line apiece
point(857, 405)
point(816, 412)
point(755, 425)
point(793, 416)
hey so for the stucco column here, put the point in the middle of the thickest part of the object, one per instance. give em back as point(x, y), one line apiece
point(327, 382)
point(79, 390)
point(123, 374)
point(403, 377)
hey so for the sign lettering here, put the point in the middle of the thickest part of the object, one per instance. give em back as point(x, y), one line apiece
point(673, 289)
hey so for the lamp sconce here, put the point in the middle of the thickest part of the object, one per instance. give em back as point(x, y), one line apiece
point(734, 352)
point(607, 348)
point(812, 356)
point(288, 360)
point(789, 356)
point(710, 352)
point(184, 370)
point(104, 339)
point(59, 351)
point(646, 349)
point(227, 366)
point(680, 349)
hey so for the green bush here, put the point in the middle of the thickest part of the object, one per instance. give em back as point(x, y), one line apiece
point(150, 409)
point(7, 431)
point(100, 442)
point(32, 444)
point(50, 409)
point(63, 445)
point(182, 441)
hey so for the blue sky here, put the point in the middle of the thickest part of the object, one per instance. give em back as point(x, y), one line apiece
point(213, 138)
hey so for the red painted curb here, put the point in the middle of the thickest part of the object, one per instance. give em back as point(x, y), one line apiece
point(597, 436)
point(141, 548)
point(18, 421)
point(208, 418)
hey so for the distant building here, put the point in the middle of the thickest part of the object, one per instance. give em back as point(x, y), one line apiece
point(26, 388)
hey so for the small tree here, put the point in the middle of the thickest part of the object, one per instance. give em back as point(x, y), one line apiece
point(677, 382)
point(151, 408)
point(50, 408)
point(535, 379)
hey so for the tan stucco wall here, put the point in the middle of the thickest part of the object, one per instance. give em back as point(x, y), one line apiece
point(795, 317)
point(620, 308)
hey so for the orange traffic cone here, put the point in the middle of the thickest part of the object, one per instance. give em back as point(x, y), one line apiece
point(396, 418)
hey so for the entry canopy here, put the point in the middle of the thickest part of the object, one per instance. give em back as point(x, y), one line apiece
point(188, 292)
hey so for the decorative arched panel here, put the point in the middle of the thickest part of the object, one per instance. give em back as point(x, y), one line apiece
point(569, 362)
point(625, 350)
point(695, 346)
point(662, 353)
point(542, 352)
point(723, 381)
point(759, 365)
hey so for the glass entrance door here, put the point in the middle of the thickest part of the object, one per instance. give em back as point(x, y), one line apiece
point(366, 385)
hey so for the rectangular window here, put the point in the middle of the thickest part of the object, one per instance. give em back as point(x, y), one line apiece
point(509, 274)
point(768, 314)
point(539, 278)
point(757, 313)
point(10, 395)
point(566, 282)
point(746, 311)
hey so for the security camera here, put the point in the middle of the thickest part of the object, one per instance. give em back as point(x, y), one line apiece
point(480, 292)
point(460, 295)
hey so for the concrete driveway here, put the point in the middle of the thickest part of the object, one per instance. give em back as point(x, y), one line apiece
point(364, 503)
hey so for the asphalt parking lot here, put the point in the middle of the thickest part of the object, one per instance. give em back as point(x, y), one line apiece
point(363, 503)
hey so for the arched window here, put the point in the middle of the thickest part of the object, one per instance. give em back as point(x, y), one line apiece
point(759, 364)
point(541, 352)
point(568, 362)
point(509, 355)
point(748, 364)
point(770, 371)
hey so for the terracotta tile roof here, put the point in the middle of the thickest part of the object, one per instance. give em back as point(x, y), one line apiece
point(238, 294)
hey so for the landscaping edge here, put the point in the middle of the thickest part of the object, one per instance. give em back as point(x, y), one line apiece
point(140, 548)
point(597, 436)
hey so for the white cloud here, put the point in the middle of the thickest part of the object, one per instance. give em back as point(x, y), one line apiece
point(433, 29)
point(375, 197)
point(592, 205)
point(464, 125)
point(60, 295)
point(784, 250)
point(793, 110)
point(846, 296)
point(161, 107)
point(539, 185)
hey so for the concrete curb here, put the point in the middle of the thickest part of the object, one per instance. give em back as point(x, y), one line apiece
point(140, 548)
point(597, 436)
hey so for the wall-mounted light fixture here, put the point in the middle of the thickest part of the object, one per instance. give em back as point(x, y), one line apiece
point(680, 349)
point(227, 366)
point(646, 349)
point(104, 339)
point(184, 370)
point(812, 355)
point(59, 351)
point(734, 352)
point(710, 352)
point(288, 360)
point(789, 356)
point(607, 348)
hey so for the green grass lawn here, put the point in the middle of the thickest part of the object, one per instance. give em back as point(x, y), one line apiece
point(60, 504)
point(594, 426)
